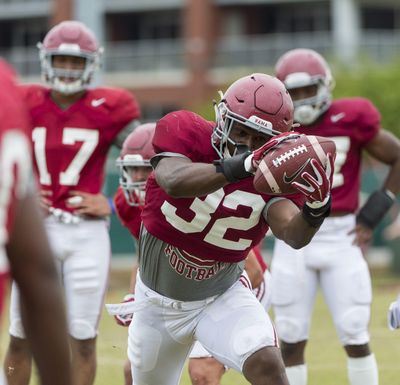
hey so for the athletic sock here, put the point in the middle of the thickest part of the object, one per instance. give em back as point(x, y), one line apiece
point(362, 370)
point(297, 375)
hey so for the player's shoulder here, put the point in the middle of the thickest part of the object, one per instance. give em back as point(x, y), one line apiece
point(7, 73)
point(185, 121)
point(193, 131)
point(118, 104)
point(110, 96)
point(354, 109)
point(13, 112)
point(34, 94)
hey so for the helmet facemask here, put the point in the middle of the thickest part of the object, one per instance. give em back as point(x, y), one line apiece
point(308, 110)
point(134, 191)
point(225, 120)
point(82, 78)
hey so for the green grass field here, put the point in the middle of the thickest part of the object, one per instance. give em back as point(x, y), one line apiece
point(325, 356)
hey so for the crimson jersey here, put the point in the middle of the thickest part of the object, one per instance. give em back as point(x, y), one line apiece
point(71, 145)
point(351, 123)
point(15, 161)
point(223, 225)
point(128, 215)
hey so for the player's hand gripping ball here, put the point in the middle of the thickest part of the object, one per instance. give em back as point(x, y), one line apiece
point(286, 162)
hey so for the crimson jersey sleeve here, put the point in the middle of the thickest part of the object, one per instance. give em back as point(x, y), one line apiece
point(130, 216)
point(126, 108)
point(183, 132)
point(367, 118)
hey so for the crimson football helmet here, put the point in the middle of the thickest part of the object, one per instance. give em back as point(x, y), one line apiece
point(71, 38)
point(134, 163)
point(257, 101)
point(302, 68)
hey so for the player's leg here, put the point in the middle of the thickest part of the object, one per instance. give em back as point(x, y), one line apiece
point(236, 330)
point(294, 287)
point(128, 380)
point(18, 358)
point(84, 360)
point(347, 289)
point(18, 362)
point(264, 292)
point(203, 368)
point(85, 275)
point(160, 338)
point(127, 366)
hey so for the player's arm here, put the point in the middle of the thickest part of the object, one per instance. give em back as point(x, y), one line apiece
point(384, 147)
point(294, 226)
point(124, 133)
point(127, 113)
point(33, 269)
point(180, 177)
point(393, 315)
point(297, 226)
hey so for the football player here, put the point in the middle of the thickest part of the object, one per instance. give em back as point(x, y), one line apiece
point(73, 127)
point(201, 218)
point(134, 168)
point(24, 247)
point(333, 260)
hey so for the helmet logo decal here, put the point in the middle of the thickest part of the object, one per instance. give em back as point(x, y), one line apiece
point(260, 122)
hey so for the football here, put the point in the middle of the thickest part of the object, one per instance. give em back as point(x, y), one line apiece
point(285, 163)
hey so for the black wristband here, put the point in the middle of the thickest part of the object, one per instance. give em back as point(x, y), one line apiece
point(315, 217)
point(233, 168)
point(373, 211)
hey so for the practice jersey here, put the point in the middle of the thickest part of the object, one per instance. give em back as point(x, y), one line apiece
point(130, 216)
point(15, 161)
point(71, 145)
point(351, 123)
point(221, 226)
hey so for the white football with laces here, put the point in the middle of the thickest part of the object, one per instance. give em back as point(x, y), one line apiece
point(286, 162)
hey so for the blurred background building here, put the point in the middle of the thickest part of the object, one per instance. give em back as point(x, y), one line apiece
point(176, 53)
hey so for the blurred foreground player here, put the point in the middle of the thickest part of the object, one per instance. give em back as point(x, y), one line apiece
point(73, 127)
point(333, 260)
point(201, 218)
point(24, 246)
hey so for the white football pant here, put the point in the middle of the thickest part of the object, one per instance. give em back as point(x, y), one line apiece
point(262, 293)
point(334, 264)
point(231, 327)
point(82, 254)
